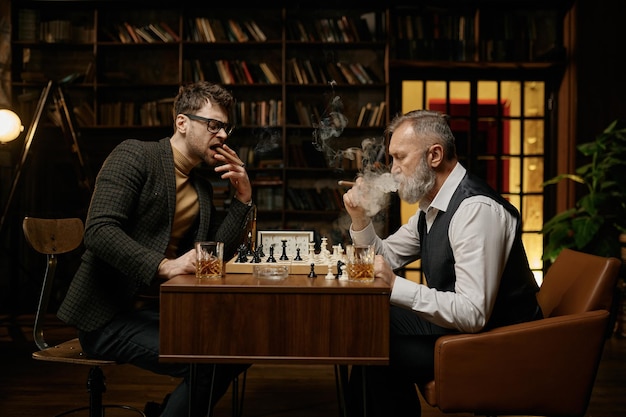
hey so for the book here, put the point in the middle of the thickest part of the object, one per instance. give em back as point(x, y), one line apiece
point(203, 31)
point(255, 31)
point(122, 34)
point(269, 73)
point(169, 30)
point(246, 71)
point(364, 110)
point(310, 72)
point(380, 117)
point(145, 35)
point(131, 32)
point(295, 70)
point(347, 73)
point(237, 31)
point(218, 30)
point(160, 33)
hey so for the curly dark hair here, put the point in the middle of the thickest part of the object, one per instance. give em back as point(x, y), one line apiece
point(192, 97)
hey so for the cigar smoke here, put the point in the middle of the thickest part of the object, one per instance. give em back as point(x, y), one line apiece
point(268, 143)
point(374, 196)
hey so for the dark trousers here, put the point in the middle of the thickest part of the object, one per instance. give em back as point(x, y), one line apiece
point(133, 338)
point(391, 390)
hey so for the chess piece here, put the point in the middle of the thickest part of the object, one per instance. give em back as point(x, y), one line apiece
point(298, 257)
point(340, 269)
point(312, 273)
point(343, 276)
point(330, 274)
point(256, 256)
point(249, 251)
point(271, 257)
point(260, 251)
point(284, 257)
point(241, 257)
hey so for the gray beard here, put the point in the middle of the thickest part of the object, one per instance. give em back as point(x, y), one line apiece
point(413, 189)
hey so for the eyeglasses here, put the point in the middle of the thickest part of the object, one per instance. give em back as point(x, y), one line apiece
point(213, 125)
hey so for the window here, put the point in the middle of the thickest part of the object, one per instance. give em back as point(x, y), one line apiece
point(500, 128)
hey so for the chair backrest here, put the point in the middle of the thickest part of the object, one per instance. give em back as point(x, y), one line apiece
point(50, 237)
point(578, 282)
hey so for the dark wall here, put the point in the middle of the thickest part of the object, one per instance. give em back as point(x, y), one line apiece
point(601, 72)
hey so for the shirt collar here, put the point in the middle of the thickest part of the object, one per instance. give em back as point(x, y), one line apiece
point(444, 195)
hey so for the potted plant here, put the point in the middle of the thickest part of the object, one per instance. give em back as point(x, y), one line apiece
point(598, 218)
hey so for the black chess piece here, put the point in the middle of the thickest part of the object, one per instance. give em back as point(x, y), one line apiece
point(241, 257)
point(260, 250)
point(249, 251)
point(256, 256)
point(284, 257)
point(339, 271)
point(298, 257)
point(271, 257)
point(312, 274)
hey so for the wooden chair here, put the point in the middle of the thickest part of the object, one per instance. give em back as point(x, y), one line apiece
point(53, 237)
point(539, 368)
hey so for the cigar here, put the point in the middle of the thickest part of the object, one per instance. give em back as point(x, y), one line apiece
point(229, 157)
point(346, 183)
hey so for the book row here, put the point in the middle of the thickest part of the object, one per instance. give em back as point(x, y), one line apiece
point(341, 29)
point(204, 29)
point(465, 36)
point(370, 114)
point(232, 71)
point(151, 113)
point(310, 72)
point(126, 32)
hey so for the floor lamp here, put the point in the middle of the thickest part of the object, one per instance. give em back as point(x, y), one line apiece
point(54, 92)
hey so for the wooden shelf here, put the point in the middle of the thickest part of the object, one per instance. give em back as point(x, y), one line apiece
point(115, 73)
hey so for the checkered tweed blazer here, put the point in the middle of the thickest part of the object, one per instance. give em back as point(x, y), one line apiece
point(128, 229)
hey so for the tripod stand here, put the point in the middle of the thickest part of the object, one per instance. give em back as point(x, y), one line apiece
point(51, 94)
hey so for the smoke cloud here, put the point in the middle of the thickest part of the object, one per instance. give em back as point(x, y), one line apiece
point(375, 196)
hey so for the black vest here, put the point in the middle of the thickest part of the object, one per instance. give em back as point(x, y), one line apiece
point(516, 301)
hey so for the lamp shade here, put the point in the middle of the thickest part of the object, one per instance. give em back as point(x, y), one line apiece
point(10, 126)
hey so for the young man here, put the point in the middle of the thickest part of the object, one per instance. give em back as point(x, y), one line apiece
point(147, 209)
point(469, 241)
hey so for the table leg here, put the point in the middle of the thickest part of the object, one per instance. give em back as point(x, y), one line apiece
point(341, 382)
point(210, 410)
point(192, 388)
point(341, 379)
point(364, 384)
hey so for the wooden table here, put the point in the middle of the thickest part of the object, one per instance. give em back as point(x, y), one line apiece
point(296, 320)
point(241, 319)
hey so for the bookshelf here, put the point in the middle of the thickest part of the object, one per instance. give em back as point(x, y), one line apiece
point(315, 85)
point(311, 84)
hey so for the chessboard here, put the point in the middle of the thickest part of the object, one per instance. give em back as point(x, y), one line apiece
point(323, 262)
point(295, 267)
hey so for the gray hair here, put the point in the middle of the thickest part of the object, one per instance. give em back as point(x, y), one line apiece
point(431, 126)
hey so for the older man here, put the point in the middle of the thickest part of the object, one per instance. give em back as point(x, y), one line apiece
point(469, 241)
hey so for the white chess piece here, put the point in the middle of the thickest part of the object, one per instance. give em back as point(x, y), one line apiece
point(344, 274)
point(330, 274)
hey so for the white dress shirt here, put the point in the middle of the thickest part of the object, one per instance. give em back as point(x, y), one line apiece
point(481, 235)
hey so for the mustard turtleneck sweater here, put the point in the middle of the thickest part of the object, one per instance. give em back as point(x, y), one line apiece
point(187, 206)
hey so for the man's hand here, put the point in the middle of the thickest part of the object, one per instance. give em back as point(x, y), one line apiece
point(354, 206)
point(185, 264)
point(234, 170)
point(383, 271)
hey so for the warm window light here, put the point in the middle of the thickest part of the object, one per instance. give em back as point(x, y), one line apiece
point(10, 126)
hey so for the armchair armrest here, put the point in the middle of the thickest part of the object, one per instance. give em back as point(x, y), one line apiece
point(522, 368)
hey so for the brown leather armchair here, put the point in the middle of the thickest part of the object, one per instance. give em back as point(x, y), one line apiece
point(544, 367)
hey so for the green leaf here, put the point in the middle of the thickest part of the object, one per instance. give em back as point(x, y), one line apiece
point(561, 177)
point(585, 229)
